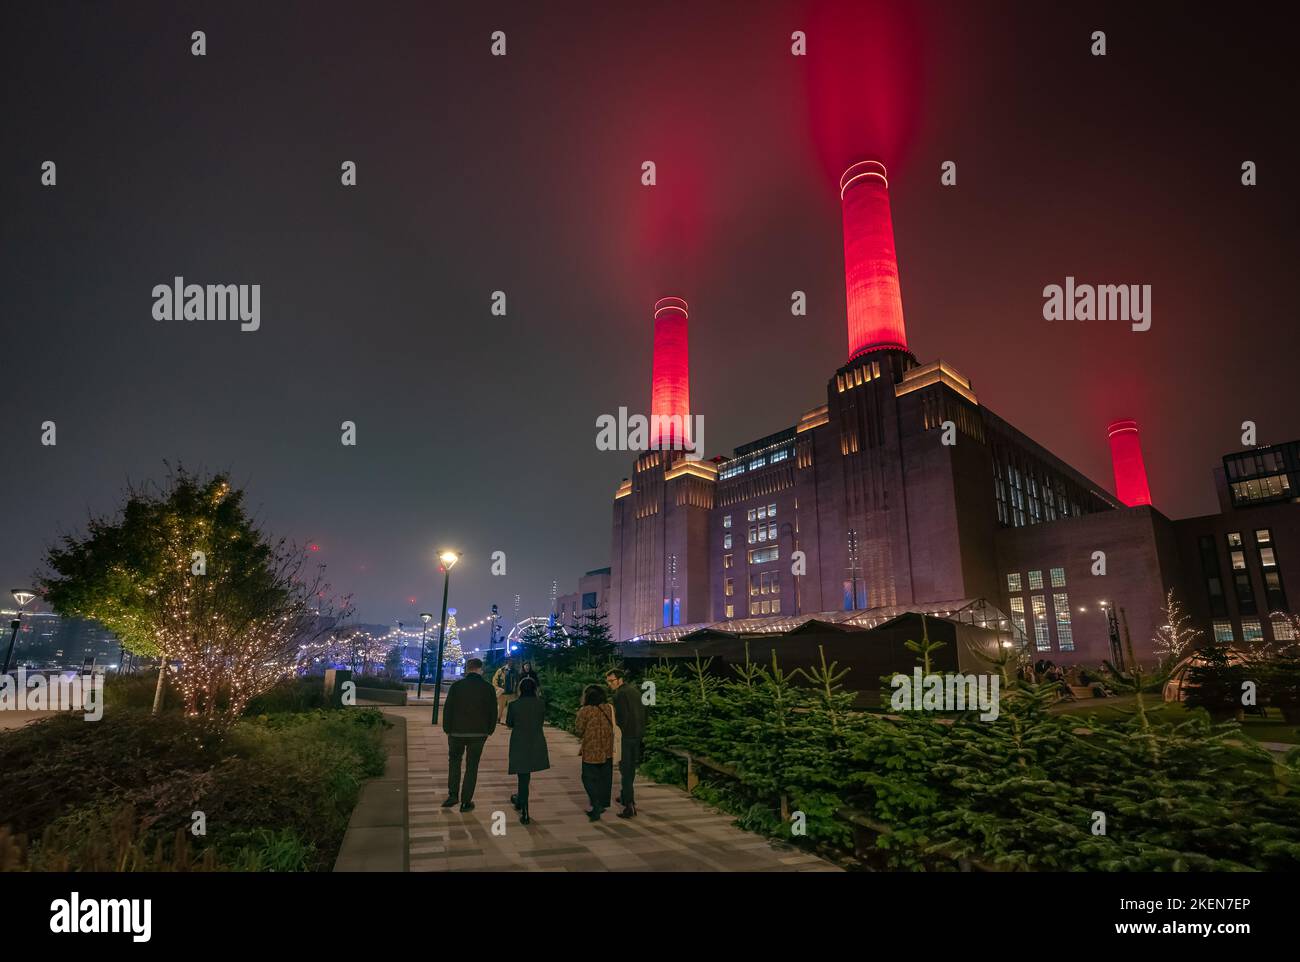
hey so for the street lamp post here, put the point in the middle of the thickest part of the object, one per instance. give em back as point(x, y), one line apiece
point(448, 558)
point(22, 596)
point(426, 618)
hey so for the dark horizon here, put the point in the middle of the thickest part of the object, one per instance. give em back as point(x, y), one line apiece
point(522, 174)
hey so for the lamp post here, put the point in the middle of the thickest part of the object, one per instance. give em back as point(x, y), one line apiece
point(22, 596)
point(448, 559)
point(426, 618)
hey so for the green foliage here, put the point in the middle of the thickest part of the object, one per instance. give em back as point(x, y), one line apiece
point(276, 792)
point(1016, 793)
point(1214, 681)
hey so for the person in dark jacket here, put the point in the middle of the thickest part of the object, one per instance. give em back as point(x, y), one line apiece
point(525, 716)
point(531, 672)
point(468, 718)
point(629, 714)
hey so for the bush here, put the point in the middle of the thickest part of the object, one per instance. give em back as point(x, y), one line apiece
point(1015, 793)
point(276, 792)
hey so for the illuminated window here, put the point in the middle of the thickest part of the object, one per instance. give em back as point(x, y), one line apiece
point(728, 560)
point(1283, 629)
point(771, 531)
point(1238, 560)
point(1266, 558)
point(762, 512)
point(726, 540)
point(755, 584)
point(752, 513)
point(731, 611)
point(1263, 536)
point(1234, 539)
point(763, 555)
point(753, 535)
point(1013, 582)
point(1064, 630)
point(1058, 577)
point(726, 521)
point(776, 606)
point(1018, 614)
point(729, 587)
point(1035, 580)
point(1252, 632)
point(771, 511)
point(1223, 632)
point(1042, 631)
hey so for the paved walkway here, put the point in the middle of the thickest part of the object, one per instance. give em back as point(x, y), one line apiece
point(672, 830)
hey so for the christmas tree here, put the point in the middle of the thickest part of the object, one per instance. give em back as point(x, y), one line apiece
point(451, 653)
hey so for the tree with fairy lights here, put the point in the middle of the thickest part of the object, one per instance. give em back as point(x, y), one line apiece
point(181, 573)
point(451, 653)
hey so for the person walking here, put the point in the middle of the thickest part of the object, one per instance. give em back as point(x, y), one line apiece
point(629, 716)
point(528, 754)
point(506, 683)
point(530, 672)
point(595, 726)
point(468, 718)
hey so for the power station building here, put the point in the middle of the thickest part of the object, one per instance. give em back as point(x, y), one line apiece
point(903, 493)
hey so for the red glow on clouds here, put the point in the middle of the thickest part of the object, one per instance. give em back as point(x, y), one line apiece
point(875, 303)
point(315, 547)
point(865, 73)
point(670, 380)
point(1130, 470)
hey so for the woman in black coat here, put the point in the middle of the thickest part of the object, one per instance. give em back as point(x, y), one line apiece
point(525, 717)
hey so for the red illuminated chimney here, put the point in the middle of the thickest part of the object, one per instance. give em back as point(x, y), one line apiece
point(1126, 457)
point(670, 387)
point(870, 264)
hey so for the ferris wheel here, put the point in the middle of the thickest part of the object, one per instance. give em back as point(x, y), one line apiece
point(538, 625)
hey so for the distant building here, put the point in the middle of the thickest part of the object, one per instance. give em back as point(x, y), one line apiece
point(902, 492)
point(48, 640)
point(591, 598)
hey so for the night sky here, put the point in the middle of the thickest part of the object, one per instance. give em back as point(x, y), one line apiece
point(522, 174)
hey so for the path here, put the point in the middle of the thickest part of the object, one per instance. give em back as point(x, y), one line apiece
point(672, 830)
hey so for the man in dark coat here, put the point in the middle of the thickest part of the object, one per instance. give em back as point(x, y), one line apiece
point(629, 715)
point(468, 718)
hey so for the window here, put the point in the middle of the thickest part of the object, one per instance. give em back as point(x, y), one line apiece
point(1013, 582)
point(1252, 632)
point(776, 602)
point(726, 521)
point(1213, 580)
point(1035, 580)
point(1223, 632)
point(728, 560)
point(731, 611)
point(1266, 558)
point(753, 535)
point(1263, 536)
point(1042, 632)
point(1058, 577)
point(1283, 629)
point(1238, 560)
point(1245, 594)
point(771, 511)
point(752, 513)
point(729, 587)
point(726, 540)
point(762, 512)
point(1018, 614)
point(771, 530)
point(588, 600)
point(1234, 539)
point(763, 555)
point(1064, 631)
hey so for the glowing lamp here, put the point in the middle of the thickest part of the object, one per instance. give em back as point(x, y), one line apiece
point(1126, 458)
point(22, 596)
point(875, 301)
point(448, 558)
